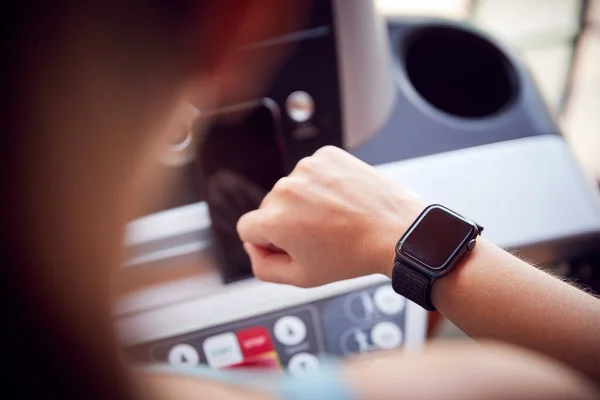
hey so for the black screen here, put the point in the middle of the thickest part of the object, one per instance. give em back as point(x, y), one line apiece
point(240, 158)
point(435, 238)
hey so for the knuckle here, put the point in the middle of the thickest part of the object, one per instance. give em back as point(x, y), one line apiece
point(276, 218)
point(307, 164)
point(278, 223)
point(270, 220)
point(285, 187)
point(328, 151)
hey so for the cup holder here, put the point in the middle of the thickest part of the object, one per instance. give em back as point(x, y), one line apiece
point(458, 72)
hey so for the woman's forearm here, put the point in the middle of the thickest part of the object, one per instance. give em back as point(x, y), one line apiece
point(335, 217)
point(493, 294)
point(465, 371)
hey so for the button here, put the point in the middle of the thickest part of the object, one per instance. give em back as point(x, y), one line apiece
point(183, 354)
point(386, 335)
point(290, 330)
point(355, 340)
point(359, 307)
point(222, 350)
point(300, 106)
point(471, 244)
point(388, 301)
point(254, 341)
point(303, 364)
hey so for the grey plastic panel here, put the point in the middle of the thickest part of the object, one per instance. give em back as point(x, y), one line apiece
point(367, 89)
point(529, 193)
point(416, 128)
point(526, 192)
point(242, 300)
point(511, 172)
point(334, 325)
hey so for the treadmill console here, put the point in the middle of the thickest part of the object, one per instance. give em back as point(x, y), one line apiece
point(357, 322)
point(527, 189)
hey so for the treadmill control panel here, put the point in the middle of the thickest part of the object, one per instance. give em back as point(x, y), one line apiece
point(292, 339)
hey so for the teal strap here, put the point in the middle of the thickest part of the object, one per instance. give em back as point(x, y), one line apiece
point(325, 384)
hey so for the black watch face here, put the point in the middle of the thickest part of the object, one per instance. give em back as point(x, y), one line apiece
point(436, 238)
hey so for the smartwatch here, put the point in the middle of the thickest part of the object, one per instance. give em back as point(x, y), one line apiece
point(429, 250)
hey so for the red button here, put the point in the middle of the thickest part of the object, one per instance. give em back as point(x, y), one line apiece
point(267, 361)
point(254, 341)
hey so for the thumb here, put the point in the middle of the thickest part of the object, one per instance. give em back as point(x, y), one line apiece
point(273, 266)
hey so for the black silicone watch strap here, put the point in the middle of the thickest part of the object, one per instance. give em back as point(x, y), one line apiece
point(412, 284)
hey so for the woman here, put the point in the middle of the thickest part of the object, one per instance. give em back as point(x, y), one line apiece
point(90, 91)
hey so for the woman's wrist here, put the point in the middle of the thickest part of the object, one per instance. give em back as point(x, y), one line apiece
point(461, 275)
point(391, 230)
point(386, 254)
point(443, 286)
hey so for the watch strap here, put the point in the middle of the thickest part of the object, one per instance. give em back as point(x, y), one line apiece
point(412, 284)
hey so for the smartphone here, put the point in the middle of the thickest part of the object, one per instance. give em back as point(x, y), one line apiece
point(239, 158)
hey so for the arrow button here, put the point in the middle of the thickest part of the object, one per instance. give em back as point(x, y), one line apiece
point(183, 354)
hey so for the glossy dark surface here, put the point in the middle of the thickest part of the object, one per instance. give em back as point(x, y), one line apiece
point(436, 238)
point(239, 160)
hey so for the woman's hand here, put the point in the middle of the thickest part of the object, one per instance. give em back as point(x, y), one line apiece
point(333, 218)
